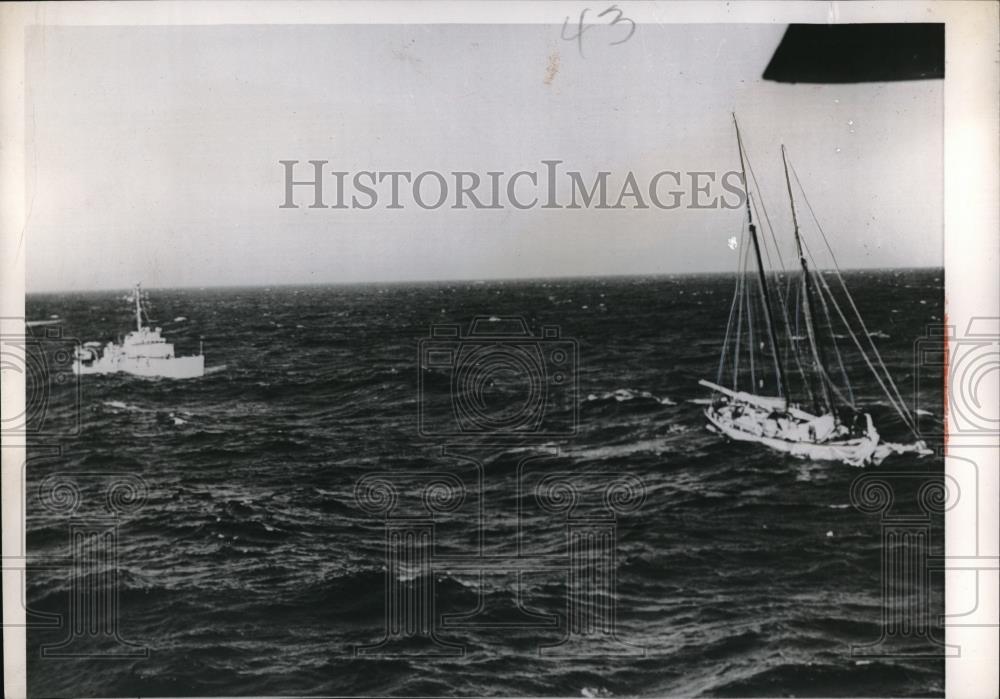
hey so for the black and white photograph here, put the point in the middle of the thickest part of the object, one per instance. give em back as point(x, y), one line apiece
point(500, 349)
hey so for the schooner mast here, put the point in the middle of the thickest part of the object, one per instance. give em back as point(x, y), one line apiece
point(761, 276)
point(807, 306)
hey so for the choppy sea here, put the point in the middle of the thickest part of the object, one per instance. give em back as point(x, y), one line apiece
point(240, 556)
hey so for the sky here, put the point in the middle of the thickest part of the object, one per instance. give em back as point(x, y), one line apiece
point(153, 152)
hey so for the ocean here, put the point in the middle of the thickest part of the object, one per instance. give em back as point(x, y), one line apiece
point(249, 562)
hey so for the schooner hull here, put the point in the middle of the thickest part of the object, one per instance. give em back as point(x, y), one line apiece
point(855, 452)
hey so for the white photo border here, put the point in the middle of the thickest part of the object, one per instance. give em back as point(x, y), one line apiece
point(971, 227)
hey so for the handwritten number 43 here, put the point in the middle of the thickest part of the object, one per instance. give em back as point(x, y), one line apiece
point(619, 17)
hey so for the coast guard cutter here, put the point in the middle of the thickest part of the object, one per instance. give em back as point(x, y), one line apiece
point(143, 352)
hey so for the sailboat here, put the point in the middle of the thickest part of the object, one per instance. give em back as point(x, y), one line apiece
point(809, 414)
point(143, 352)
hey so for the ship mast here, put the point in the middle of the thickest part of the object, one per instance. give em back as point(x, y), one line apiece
point(761, 277)
point(138, 307)
point(807, 309)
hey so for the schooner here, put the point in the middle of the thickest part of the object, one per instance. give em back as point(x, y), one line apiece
point(809, 414)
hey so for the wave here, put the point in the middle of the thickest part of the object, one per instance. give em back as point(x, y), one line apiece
point(251, 569)
point(621, 395)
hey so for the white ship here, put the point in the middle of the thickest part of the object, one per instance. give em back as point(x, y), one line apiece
point(812, 412)
point(143, 352)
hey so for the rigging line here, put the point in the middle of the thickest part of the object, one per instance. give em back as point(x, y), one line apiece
point(767, 219)
point(759, 344)
point(836, 348)
point(732, 308)
point(737, 306)
point(762, 279)
point(903, 415)
point(767, 252)
point(833, 387)
point(824, 374)
point(815, 348)
point(854, 307)
point(792, 347)
point(790, 340)
point(798, 334)
point(763, 209)
point(850, 330)
point(829, 322)
point(741, 284)
point(790, 343)
point(788, 388)
point(783, 295)
point(788, 294)
point(791, 334)
point(750, 343)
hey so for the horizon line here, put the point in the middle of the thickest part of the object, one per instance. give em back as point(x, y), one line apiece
point(564, 277)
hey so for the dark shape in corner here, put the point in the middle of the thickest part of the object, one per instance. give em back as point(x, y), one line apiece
point(857, 53)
